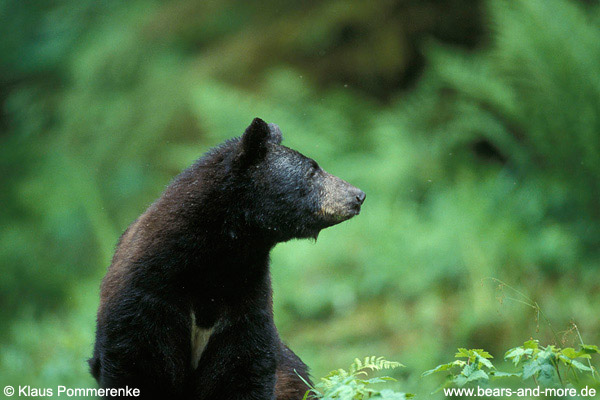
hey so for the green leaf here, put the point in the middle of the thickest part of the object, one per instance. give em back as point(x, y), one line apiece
point(462, 352)
point(382, 379)
point(570, 352)
point(469, 369)
point(580, 366)
point(482, 353)
point(511, 353)
point(484, 361)
point(373, 363)
point(517, 353)
point(565, 360)
point(531, 344)
point(547, 375)
point(500, 374)
point(589, 349)
point(444, 367)
point(478, 375)
point(530, 368)
point(472, 353)
point(388, 394)
point(460, 380)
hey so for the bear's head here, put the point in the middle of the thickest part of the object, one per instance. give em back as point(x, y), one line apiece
point(286, 194)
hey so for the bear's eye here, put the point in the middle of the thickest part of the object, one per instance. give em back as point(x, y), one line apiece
point(314, 168)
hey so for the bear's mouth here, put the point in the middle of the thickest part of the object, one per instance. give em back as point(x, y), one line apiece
point(352, 212)
point(331, 219)
point(323, 221)
point(342, 214)
point(355, 210)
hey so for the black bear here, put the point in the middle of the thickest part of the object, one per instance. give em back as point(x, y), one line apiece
point(186, 306)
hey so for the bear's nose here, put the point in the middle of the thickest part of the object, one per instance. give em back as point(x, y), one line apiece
point(360, 197)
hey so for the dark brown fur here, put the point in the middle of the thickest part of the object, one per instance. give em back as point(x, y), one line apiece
point(186, 306)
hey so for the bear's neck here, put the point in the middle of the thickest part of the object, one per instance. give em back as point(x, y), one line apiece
point(206, 205)
point(194, 238)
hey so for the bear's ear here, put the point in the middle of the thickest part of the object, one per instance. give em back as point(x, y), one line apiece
point(253, 145)
point(275, 134)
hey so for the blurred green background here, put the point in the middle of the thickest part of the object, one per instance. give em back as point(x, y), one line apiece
point(473, 127)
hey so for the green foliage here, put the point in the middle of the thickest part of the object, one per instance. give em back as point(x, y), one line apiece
point(542, 365)
point(528, 97)
point(353, 384)
point(547, 366)
point(476, 369)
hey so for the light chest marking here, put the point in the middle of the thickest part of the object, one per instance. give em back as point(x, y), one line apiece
point(199, 338)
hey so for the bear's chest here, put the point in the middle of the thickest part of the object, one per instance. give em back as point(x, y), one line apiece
point(199, 340)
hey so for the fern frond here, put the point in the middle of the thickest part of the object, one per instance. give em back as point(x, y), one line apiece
point(346, 384)
point(373, 363)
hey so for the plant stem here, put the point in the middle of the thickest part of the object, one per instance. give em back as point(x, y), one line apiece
point(583, 344)
point(558, 373)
